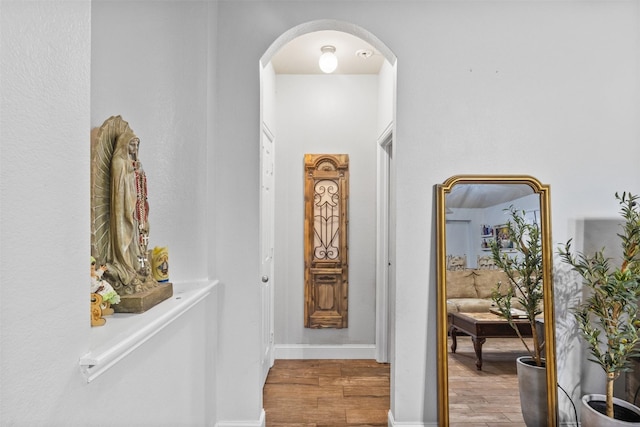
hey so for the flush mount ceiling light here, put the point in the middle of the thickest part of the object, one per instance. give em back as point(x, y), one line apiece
point(328, 61)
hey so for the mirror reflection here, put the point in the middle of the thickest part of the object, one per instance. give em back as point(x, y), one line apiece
point(495, 301)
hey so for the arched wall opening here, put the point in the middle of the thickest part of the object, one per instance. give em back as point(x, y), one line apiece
point(353, 114)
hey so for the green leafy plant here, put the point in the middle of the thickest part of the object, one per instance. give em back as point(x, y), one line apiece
point(523, 267)
point(607, 318)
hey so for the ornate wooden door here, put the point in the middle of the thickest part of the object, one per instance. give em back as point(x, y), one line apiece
point(326, 196)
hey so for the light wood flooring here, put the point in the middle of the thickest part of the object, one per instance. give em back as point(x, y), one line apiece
point(327, 393)
point(336, 393)
point(486, 398)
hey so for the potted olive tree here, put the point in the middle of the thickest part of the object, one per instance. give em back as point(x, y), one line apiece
point(522, 265)
point(608, 316)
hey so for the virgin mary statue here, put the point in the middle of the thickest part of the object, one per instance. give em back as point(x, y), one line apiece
point(120, 212)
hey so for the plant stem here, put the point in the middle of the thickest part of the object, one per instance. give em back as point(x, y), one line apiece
point(611, 376)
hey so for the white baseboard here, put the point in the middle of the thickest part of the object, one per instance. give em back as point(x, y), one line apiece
point(244, 423)
point(312, 351)
point(392, 423)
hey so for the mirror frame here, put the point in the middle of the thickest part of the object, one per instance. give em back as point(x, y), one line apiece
point(442, 328)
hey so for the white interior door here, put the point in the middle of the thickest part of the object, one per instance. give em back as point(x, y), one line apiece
point(266, 248)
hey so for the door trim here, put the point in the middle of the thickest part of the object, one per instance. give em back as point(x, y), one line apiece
point(385, 142)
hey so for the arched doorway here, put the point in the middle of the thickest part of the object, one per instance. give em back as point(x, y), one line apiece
point(279, 208)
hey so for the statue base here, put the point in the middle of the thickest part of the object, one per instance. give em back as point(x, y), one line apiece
point(143, 301)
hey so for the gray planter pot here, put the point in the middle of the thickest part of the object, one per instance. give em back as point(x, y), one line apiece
point(532, 383)
point(590, 417)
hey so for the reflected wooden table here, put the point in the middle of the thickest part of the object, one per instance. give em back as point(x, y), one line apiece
point(481, 326)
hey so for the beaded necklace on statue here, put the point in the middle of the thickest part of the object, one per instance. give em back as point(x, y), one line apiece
point(141, 212)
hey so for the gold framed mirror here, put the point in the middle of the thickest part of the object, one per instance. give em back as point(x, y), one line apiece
point(468, 209)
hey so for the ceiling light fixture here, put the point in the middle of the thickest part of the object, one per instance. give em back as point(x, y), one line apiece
point(328, 61)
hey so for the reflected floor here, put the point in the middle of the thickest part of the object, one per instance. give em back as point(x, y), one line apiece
point(486, 398)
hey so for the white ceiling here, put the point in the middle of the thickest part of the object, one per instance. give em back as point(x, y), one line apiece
point(300, 56)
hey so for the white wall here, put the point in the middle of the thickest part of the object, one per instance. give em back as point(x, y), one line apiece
point(475, 218)
point(149, 65)
point(318, 114)
point(475, 80)
point(386, 97)
point(268, 88)
point(67, 66)
point(44, 241)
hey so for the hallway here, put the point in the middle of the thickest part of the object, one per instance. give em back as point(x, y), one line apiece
point(323, 393)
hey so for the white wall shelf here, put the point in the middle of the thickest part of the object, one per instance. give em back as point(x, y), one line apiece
point(124, 332)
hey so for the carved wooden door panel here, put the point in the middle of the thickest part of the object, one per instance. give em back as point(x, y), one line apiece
point(326, 196)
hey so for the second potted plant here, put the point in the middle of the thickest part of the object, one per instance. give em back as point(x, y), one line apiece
point(608, 316)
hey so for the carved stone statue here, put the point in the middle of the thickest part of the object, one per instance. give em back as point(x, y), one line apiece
point(120, 216)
